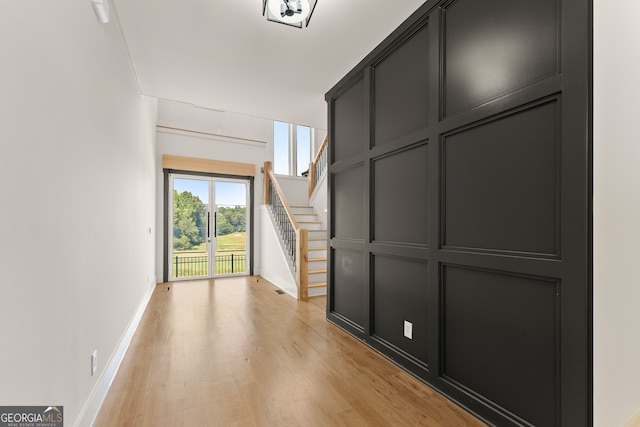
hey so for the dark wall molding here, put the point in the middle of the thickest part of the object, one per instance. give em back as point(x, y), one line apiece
point(460, 183)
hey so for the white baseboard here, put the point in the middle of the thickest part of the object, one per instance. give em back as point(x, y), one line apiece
point(92, 406)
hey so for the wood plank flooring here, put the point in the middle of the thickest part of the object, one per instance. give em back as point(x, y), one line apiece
point(233, 352)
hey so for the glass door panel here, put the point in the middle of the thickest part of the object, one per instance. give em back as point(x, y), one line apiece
point(190, 251)
point(209, 227)
point(231, 227)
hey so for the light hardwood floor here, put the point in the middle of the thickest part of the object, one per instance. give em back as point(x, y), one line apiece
point(233, 352)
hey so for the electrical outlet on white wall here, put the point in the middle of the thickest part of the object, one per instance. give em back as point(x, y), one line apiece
point(408, 329)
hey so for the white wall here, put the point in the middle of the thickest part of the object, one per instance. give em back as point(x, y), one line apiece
point(246, 139)
point(191, 117)
point(192, 131)
point(318, 198)
point(318, 137)
point(275, 265)
point(77, 167)
point(616, 212)
point(295, 189)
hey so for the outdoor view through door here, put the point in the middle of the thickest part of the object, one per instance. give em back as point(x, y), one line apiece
point(209, 227)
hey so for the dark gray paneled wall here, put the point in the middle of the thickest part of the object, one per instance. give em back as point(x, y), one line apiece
point(460, 202)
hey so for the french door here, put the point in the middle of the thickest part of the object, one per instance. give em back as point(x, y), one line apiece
point(208, 227)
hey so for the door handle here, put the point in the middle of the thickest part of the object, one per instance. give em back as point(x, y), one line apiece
point(208, 224)
point(215, 224)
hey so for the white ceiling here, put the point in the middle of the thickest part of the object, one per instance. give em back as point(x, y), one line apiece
point(223, 54)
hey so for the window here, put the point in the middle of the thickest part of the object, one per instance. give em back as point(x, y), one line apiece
point(281, 148)
point(303, 149)
point(292, 148)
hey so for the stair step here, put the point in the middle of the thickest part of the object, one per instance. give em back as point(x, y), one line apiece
point(300, 217)
point(317, 284)
point(317, 265)
point(316, 292)
point(317, 234)
point(317, 253)
point(310, 225)
point(318, 245)
point(318, 271)
point(317, 259)
point(302, 210)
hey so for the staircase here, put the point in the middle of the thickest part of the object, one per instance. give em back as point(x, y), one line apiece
point(314, 276)
point(303, 238)
point(301, 232)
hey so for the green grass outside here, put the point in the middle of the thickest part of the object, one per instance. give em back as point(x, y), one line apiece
point(234, 243)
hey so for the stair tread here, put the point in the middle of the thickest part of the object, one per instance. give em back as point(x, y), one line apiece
point(320, 270)
point(317, 284)
point(317, 259)
point(310, 222)
point(318, 249)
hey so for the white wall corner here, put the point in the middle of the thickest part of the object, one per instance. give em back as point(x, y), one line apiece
point(123, 38)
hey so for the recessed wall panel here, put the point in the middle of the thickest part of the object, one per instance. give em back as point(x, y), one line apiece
point(499, 340)
point(399, 295)
point(348, 203)
point(401, 90)
point(348, 285)
point(500, 183)
point(494, 47)
point(349, 122)
point(401, 183)
point(477, 177)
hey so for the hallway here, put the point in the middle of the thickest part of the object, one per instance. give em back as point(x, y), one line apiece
point(235, 352)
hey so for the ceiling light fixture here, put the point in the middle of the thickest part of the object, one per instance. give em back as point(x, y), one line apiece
point(295, 13)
